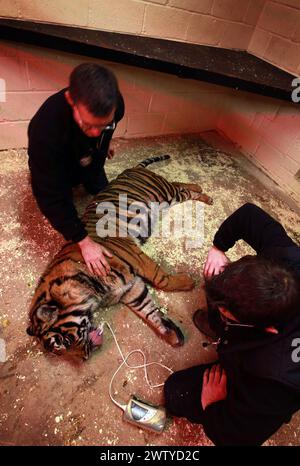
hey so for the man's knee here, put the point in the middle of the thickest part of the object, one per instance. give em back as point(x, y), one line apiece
point(173, 389)
point(171, 386)
point(95, 189)
point(185, 384)
point(182, 392)
point(250, 208)
point(95, 185)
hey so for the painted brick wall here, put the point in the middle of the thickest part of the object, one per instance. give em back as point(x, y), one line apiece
point(269, 29)
point(223, 23)
point(276, 37)
point(156, 103)
point(267, 131)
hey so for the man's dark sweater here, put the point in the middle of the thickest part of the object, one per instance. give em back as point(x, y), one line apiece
point(58, 151)
point(263, 369)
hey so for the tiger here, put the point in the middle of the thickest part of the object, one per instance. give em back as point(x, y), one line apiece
point(67, 294)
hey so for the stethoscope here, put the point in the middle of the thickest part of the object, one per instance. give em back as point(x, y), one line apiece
point(205, 344)
point(110, 127)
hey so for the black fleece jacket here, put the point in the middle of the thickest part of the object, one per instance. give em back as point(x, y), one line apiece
point(56, 147)
point(263, 369)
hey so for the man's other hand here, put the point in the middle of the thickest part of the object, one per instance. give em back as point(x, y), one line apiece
point(214, 386)
point(94, 257)
point(215, 263)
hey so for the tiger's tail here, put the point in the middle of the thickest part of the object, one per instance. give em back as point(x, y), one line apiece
point(150, 160)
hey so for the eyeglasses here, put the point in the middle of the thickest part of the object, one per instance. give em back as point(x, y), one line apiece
point(233, 323)
point(86, 126)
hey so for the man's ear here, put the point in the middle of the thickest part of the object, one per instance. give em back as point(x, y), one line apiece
point(47, 313)
point(69, 98)
point(271, 330)
point(227, 313)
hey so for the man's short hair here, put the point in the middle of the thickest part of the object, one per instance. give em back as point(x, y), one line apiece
point(94, 86)
point(256, 291)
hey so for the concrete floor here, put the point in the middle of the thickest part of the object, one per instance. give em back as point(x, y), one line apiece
point(47, 401)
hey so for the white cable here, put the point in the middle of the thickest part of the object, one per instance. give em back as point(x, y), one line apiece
point(144, 365)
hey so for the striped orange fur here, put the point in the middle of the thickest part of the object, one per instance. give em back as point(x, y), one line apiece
point(67, 295)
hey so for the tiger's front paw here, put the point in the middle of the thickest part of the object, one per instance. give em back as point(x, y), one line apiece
point(173, 335)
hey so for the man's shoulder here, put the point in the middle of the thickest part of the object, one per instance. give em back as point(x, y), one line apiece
point(288, 256)
point(51, 114)
point(279, 357)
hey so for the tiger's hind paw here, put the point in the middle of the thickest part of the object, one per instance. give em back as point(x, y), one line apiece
point(205, 198)
point(181, 282)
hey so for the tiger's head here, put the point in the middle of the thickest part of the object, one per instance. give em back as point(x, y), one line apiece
point(67, 332)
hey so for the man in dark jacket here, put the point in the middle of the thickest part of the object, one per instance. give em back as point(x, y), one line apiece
point(254, 311)
point(69, 140)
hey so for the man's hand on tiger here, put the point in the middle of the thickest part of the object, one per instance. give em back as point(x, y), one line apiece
point(214, 385)
point(94, 257)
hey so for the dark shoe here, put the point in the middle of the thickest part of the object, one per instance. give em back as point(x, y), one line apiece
point(95, 182)
point(200, 319)
point(93, 190)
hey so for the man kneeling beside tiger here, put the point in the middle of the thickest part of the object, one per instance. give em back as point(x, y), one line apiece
point(67, 295)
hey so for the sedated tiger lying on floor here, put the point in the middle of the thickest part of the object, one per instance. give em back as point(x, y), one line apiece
point(67, 295)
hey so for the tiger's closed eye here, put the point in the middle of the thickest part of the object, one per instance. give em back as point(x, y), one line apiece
point(53, 342)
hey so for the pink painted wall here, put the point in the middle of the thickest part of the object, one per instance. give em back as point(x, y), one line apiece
point(265, 129)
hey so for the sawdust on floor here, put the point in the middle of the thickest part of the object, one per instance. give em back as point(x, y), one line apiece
point(47, 401)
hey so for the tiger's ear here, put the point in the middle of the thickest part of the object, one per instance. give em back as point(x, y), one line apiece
point(47, 313)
